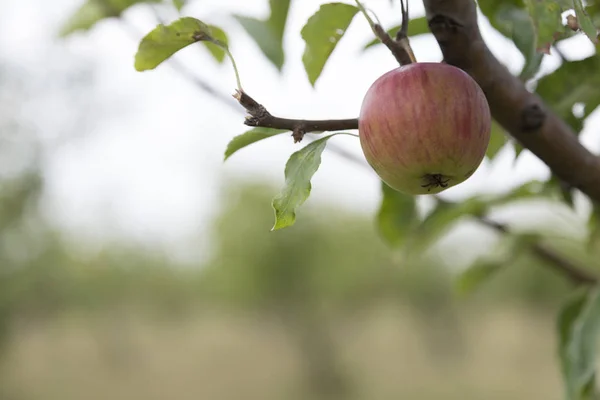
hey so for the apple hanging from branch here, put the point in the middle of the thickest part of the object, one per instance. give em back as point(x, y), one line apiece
point(424, 127)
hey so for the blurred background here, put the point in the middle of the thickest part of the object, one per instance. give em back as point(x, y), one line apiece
point(136, 264)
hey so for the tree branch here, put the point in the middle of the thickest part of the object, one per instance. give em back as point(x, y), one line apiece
point(557, 261)
point(521, 113)
point(260, 116)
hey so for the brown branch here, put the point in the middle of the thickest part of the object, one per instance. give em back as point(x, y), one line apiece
point(523, 114)
point(260, 116)
point(560, 263)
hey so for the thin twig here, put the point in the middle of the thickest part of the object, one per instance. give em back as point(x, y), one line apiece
point(259, 116)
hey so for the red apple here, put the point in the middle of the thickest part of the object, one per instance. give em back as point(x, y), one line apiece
point(424, 127)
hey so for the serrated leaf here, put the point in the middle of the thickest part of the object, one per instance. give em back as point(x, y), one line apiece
point(218, 52)
point(321, 34)
point(299, 170)
point(578, 324)
point(268, 34)
point(93, 11)
point(547, 22)
point(506, 251)
point(573, 82)
point(164, 41)
point(416, 26)
point(396, 217)
point(585, 21)
point(498, 139)
point(250, 137)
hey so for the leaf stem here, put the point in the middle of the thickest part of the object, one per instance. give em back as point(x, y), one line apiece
point(233, 63)
point(363, 10)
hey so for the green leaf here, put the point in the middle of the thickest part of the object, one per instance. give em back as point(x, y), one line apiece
point(578, 324)
point(498, 139)
point(547, 22)
point(522, 32)
point(518, 147)
point(506, 251)
point(573, 82)
point(439, 221)
point(585, 21)
point(446, 214)
point(179, 4)
point(512, 20)
point(594, 227)
point(321, 33)
point(491, 8)
point(416, 26)
point(249, 137)
point(93, 11)
point(218, 52)
point(396, 217)
point(555, 188)
point(268, 34)
point(164, 41)
point(299, 170)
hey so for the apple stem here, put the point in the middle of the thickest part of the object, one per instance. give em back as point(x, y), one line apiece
point(402, 35)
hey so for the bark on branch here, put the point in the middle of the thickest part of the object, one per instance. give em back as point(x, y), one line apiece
point(523, 114)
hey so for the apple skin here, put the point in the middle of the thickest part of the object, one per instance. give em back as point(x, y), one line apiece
point(424, 127)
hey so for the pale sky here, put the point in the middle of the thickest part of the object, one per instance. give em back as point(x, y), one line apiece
point(146, 162)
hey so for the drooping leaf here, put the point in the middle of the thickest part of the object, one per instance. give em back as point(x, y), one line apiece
point(321, 33)
point(164, 41)
point(578, 324)
point(572, 83)
point(516, 24)
point(497, 140)
point(416, 26)
point(299, 170)
point(93, 11)
point(396, 217)
point(491, 9)
point(586, 24)
point(268, 34)
point(217, 51)
point(547, 22)
point(247, 138)
point(507, 250)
